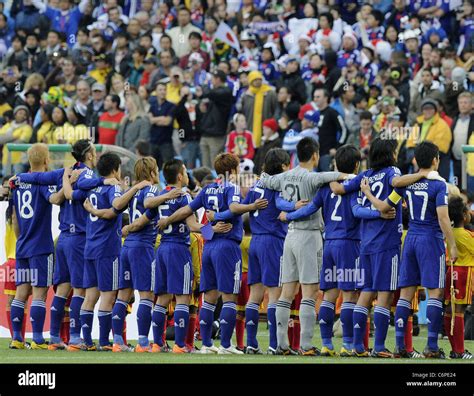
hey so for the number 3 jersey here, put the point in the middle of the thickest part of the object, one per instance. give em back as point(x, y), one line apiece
point(378, 234)
point(33, 212)
point(218, 197)
point(104, 237)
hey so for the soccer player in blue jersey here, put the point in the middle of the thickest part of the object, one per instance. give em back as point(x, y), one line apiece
point(221, 261)
point(341, 250)
point(137, 260)
point(34, 248)
point(423, 258)
point(380, 245)
point(69, 253)
point(102, 249)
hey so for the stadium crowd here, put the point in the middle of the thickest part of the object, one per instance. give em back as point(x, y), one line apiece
point(272, 84)
point(191, 78)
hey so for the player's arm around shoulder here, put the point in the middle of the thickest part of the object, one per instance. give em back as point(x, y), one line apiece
point(317, 179)
point(397, 180)
point(121, 201)
point(272, 182)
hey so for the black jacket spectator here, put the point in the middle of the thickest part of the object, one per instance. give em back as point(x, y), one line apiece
point(213, 122)
point(295, 85)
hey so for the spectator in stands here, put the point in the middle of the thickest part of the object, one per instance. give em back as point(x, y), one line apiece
point(109, 120)
point(135, 125)
point(180, 34)
point(213, 115)
point(239, 140)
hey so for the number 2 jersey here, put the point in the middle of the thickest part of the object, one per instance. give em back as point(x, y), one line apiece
point(33, 212)
point(218, 197)
point(378, 234)
point(103, 237)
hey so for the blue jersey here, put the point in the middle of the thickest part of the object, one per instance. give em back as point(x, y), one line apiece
point(218, 197)
point(265, 221)
point(423, 198)
point(33, 213)
point(72, 216)
point(179, 231)
point(104, 237)
point(147, 235)
point(378, 234)
point(339, 221)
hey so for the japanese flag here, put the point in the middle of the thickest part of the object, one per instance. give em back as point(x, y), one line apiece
point(225, 34)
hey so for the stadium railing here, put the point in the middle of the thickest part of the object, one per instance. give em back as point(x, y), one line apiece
point(60, 156)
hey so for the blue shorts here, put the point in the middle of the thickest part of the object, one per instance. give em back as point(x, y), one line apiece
point(137, 268)
point(102, 273)
point(174, 269)
point(75, 259)
point(221, 266)
point(379, 271)
point(265, 259)
point(423, 262)
point(340, 268)
point(61, 269)
point(36, 270)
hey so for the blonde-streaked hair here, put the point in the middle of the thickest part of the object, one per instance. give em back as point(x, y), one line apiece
point(138, 104)
point(144, 167)
point(35, 79)
point(38, 154)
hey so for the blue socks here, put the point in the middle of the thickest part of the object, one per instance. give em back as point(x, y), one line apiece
point(17, 313)
point(251, 323)
point(401, 319)
point(87, 317)
point(37, 316)
point(360, 323)
point(75, 319)
point(381, 323)
point(181, 320)
point(144, 321)
point(158, 324)
point(271, 317)
point(105, 325)
point(434, 316)
point(347, 312)
point(119, 312)
point(206, 317)
point(326, 321)
point(57, 315)
point(227, 322)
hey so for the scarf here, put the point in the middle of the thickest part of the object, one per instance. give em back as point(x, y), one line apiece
point(259, 94)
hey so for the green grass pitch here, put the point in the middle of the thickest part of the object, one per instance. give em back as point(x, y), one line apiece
point(61, 357)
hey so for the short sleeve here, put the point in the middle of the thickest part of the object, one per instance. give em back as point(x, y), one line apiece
point(151, 213)
point(441, 194)
point(113, 193)
point(47, 191)
point(393, 173)
point(233, 194)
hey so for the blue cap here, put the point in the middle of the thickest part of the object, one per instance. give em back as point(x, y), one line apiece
point(313, 116)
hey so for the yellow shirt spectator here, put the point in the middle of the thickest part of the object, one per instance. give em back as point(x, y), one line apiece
point(19, 134)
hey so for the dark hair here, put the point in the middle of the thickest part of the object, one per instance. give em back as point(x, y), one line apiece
point(378, 16)
point(171, 170)
point(80, 149)
point(305, 149)
point(325, 92)
point(108, 163)
point(381, 153)
point(274, 160)
point(165, 35)
point(456, 209)
point(143, 147)
point(141, 50)
point(115, 99)
point(200, 173)
point(347, 158)
point(365, 115)
point(195, 35)
point(425, 152)
point(184, 8)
